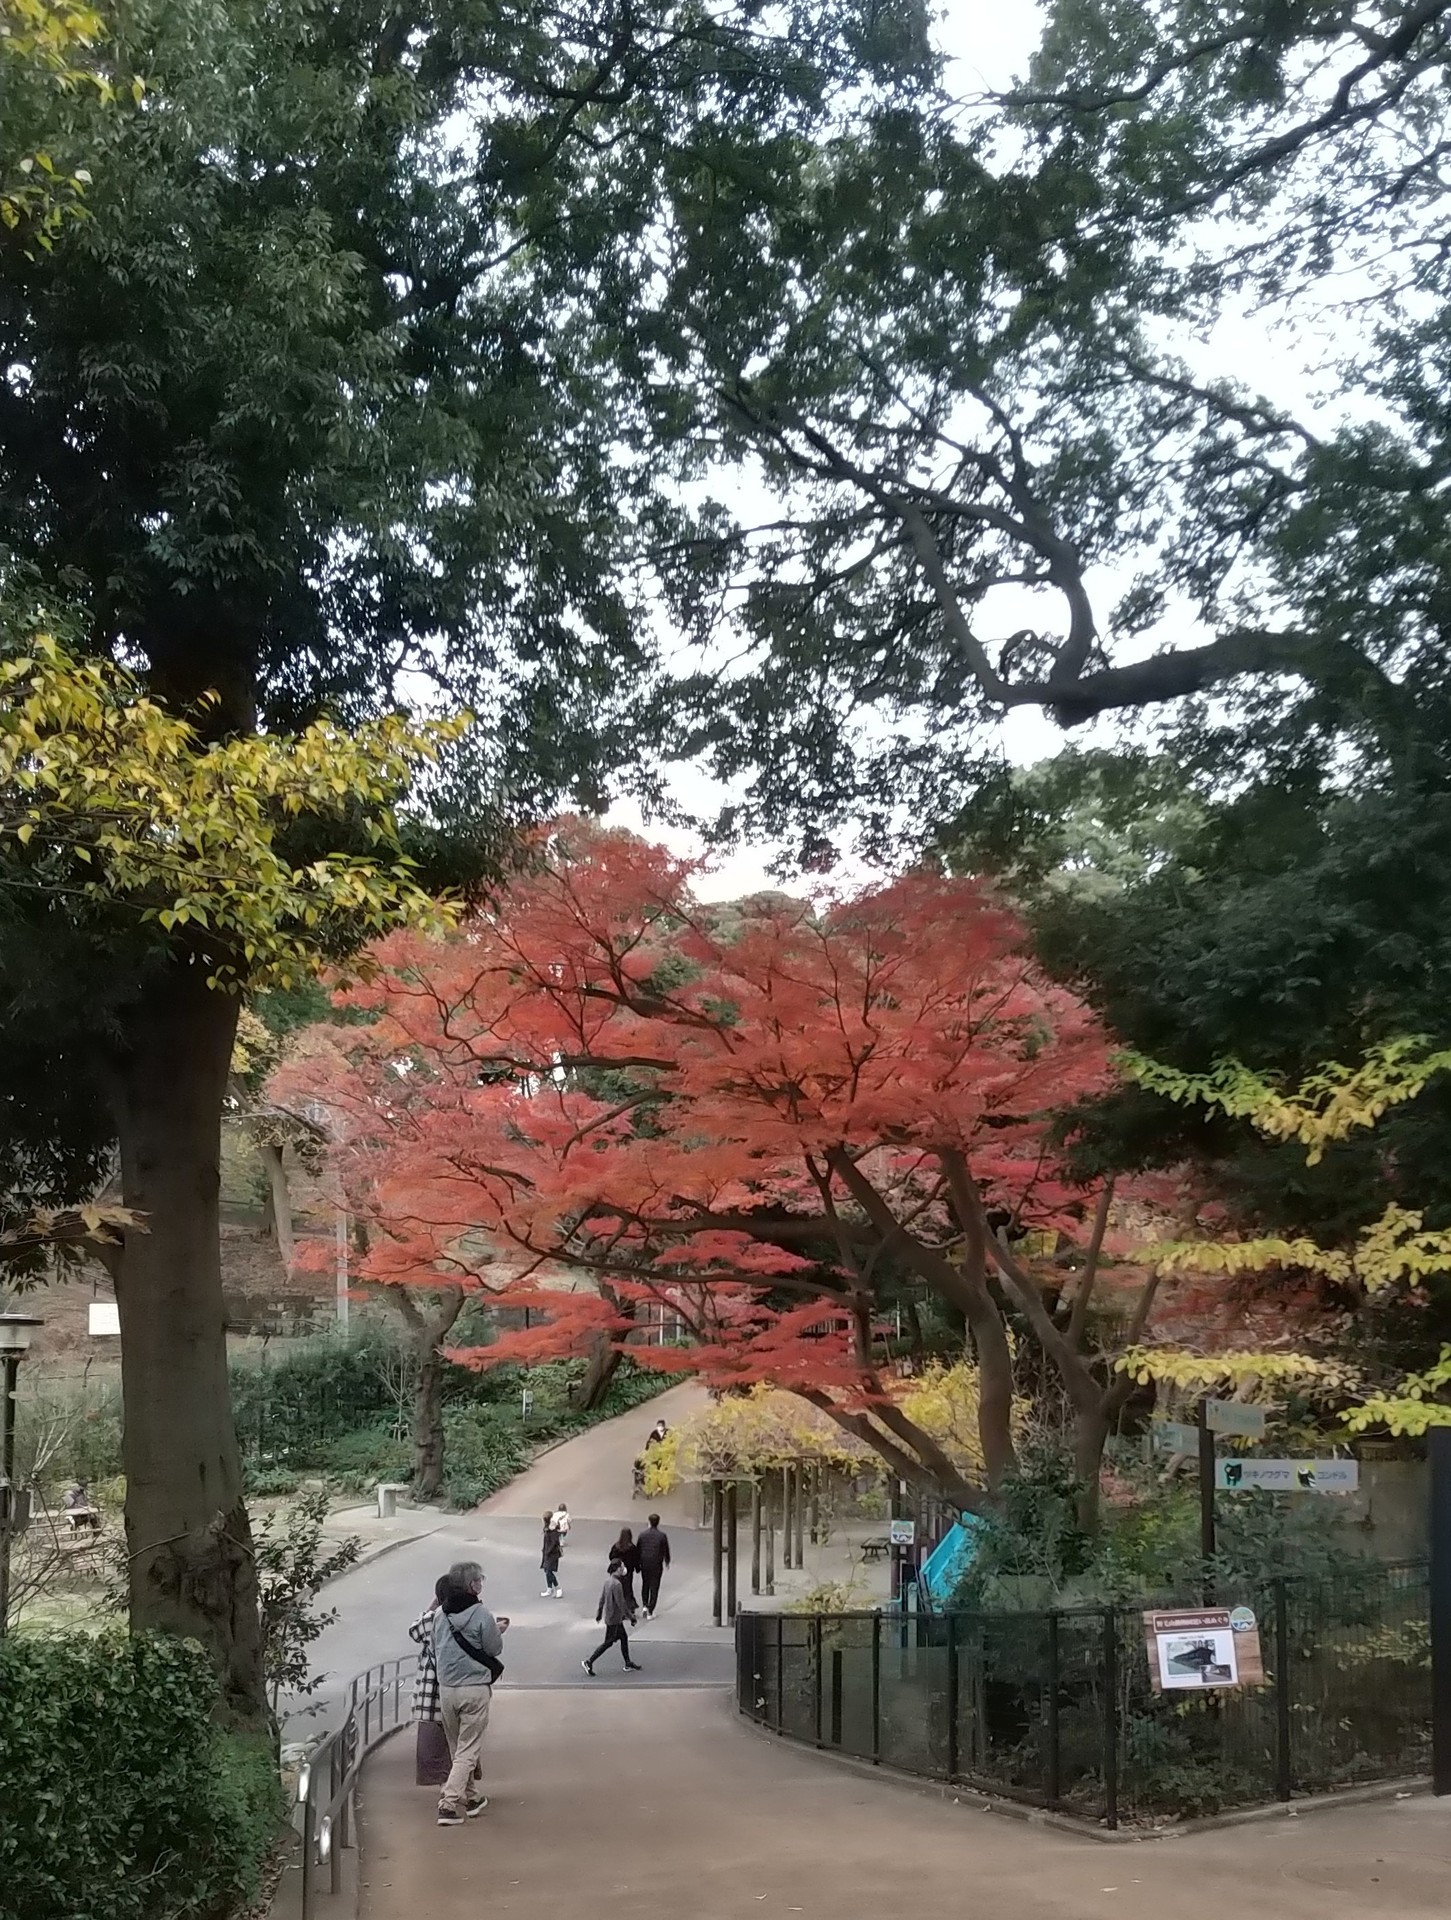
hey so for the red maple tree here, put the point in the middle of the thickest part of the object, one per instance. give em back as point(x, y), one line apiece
point(601, 1094)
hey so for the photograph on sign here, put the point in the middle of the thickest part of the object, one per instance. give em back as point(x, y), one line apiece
point(903, 1533)
point(1205, 1659)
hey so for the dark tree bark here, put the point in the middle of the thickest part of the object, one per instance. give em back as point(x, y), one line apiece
point(429, 1328)
point(279, 1201)
point(605, 1355)
point(189, 1546)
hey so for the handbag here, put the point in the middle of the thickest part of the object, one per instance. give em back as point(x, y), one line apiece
point(433, 1759)
point(476, 1654)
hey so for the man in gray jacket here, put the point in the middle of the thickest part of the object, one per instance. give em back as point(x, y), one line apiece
point(467, 1644)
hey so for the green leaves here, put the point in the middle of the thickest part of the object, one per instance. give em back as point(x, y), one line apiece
point(122, 1801)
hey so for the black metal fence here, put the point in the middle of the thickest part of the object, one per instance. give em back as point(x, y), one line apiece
point(1058, 1709)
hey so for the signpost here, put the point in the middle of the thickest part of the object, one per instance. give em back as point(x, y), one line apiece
point(1233, 1416)
point(1288, 1476)
point(902, 1533)
point(1439, 1446)
point(1239, 1475)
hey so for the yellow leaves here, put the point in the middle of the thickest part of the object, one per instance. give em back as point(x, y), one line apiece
point(1198, 1373)
point(748, 1435)
point(185, 831)
point(943, 1402)
point(1413, 1409)
point(1394, 1248)
point(1327, 1106)
point(1242, 1256)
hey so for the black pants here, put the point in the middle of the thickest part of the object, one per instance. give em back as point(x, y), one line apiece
point(650, 1586)
point(614, 1637)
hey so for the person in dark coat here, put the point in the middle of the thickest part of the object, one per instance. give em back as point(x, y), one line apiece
point(616, 1613)
point(549, 1559)
point(628, 1554)
point(653, 1550)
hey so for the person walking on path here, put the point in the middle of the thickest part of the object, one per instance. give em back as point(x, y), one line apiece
point(467, 1643)
point(653, 1551)
point(614, 1610)
point(628, 1554)
point(549, 1559)
point(431, 1761)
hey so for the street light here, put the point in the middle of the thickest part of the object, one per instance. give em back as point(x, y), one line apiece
point(16, 1333)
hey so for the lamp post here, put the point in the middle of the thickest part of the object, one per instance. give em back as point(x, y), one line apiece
point(16, 1331)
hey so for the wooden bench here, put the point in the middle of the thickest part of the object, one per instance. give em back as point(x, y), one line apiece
point(876, 1549)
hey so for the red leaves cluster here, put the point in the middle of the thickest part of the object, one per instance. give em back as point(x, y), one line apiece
point(601, 1093)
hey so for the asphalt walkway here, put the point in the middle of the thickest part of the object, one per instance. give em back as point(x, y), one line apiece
point(637, 1791)
point(615, 1803)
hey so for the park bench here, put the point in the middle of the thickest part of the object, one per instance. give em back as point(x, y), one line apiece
point(877, 1548)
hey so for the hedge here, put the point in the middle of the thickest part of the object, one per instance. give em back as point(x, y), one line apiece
point(119, 1797)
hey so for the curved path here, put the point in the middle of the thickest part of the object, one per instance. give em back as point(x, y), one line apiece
point(643, 1791)
point(547, 1638)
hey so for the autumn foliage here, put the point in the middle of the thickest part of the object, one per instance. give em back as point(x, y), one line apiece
point(601, 1095)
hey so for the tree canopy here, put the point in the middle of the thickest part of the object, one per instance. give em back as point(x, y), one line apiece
point(755, 1127)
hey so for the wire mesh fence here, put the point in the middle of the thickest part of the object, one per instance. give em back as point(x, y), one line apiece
point(1059, 1709)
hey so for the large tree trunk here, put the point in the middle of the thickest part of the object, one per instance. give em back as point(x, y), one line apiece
point(189, 1546)
point(429, 1330)
point(428, 1425)
point(605, 1355)
point(279, 1201)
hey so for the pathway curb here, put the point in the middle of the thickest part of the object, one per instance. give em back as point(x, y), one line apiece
point(1410, 1787)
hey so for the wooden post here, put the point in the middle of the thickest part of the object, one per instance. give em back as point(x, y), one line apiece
point(717, 1524)
point(815, 1472)
point(801, 1516)
point(1206, 1501)
point(788, 1522)
point(755, 1536)
point(770, 1538)
point(1439, 1440)
point(732, 1549)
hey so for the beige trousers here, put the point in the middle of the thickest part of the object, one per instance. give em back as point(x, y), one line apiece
point(465, 1721)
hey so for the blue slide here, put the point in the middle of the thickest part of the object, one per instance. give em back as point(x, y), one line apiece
point(948, 1561)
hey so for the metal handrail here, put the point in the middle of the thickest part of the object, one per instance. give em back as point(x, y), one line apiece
point(377, 1706)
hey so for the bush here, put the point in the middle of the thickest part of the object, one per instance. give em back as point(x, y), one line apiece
point(318, 1391)
point(357, 1461)
point(122, 1801)
point(483, 1450)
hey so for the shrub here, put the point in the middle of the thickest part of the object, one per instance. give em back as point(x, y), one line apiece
point(319, 1390)
point(483, 1450)
point(357, 1461)
point(293, 1567)
point(122, 1801)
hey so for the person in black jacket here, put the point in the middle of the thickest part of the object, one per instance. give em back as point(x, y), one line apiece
point(653, 1549)
point(549, 1559)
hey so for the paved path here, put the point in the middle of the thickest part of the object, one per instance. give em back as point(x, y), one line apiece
point(613, 1804)
point(547, 1638)
point(640, 1791)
